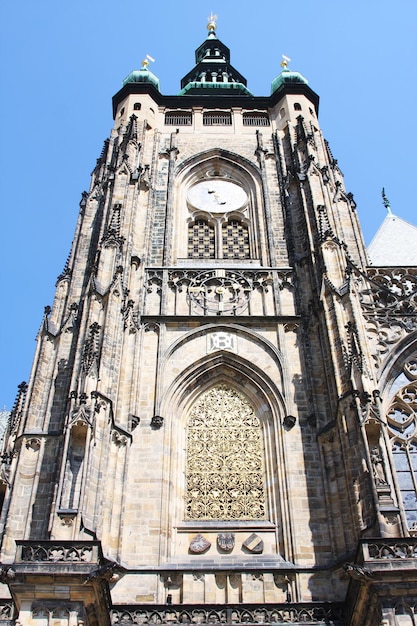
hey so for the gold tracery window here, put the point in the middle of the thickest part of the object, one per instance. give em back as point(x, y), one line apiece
point(225, 467)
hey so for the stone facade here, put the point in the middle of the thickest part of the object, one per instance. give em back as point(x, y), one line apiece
point(220, 422)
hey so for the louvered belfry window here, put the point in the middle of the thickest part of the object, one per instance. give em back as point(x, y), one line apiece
point(201, 240)
point(235, 240)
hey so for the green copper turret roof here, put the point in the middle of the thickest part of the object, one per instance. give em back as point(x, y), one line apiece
point(144, 75)
point(287, 77)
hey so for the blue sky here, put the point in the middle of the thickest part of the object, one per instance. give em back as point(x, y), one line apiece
point(61, 63)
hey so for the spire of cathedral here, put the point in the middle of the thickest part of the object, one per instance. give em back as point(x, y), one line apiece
point(213, 73)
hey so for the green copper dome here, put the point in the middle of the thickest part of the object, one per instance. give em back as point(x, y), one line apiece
point(287, 76)
point(142, 76)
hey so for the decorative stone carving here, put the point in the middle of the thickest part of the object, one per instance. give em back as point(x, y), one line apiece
point(388, 297)
point(221, 341)
point(199, 544)
point(220, 291)
point(156, 422)
point(357, 572)
point(34, 443)
point(377, 466)
point(226, 541)
point(48, 551)
point(289, 421)
point(130, 321)
point(224, 473)
point(118, 438)
point(91, 349)
point(254, 544)
point(311, 613)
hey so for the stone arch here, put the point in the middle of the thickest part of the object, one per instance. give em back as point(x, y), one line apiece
point(225, 464)
point(263, 396)
point(219, 164)
point(272, 351)
point(394, 363)
point(398, 387)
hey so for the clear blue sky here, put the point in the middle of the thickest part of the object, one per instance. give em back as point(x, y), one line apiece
point(61, 63)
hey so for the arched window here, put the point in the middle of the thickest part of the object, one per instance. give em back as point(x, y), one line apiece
point(402, 424)
point(201, 240)
point(225, 460)
point(235, 242)
point(297, 106)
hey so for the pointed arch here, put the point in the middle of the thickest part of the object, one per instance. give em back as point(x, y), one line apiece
point(236, 237)
point(224, 469)
point(399, 395)
point(241, 504)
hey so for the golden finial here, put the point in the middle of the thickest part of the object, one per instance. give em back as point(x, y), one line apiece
point(146, 60)
point(284, 62)
point(212, 22)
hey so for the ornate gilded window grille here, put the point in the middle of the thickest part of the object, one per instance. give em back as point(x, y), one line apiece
point(201, 240)
point(402, 423)
point(225, 466)
point(235, 240)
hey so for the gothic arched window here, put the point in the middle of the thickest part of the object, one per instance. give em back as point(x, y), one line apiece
point(402, 423)
point(225, 466)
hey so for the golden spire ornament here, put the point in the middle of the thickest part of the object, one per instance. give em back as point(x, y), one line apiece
point(285, 61)
point(146, 60)
point(212, 22)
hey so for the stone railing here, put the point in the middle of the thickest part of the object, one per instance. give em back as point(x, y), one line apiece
point(221, 291)
point(392, 549)
point(88, 552)
point(291, 613)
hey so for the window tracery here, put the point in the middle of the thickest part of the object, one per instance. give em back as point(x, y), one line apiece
point(402, 424)
point(225, 467)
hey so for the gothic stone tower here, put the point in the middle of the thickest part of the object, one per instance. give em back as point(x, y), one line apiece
point(219, 425)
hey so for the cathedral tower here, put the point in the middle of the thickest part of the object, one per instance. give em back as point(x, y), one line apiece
point(220, 422)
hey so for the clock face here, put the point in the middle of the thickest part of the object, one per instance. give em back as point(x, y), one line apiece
point(217, 196)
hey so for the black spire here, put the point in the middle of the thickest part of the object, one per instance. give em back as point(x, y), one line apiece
point(213, 73)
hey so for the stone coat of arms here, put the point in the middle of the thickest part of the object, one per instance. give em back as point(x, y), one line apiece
point(226, 541)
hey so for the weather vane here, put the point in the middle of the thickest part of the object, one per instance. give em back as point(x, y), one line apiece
point(146, 60)
point(212, 22)
point(285, 61)
point(385, 201)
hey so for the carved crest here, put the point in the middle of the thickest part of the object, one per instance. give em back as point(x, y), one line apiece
point(254, 544)
point(226, 541)
point(199, 544)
